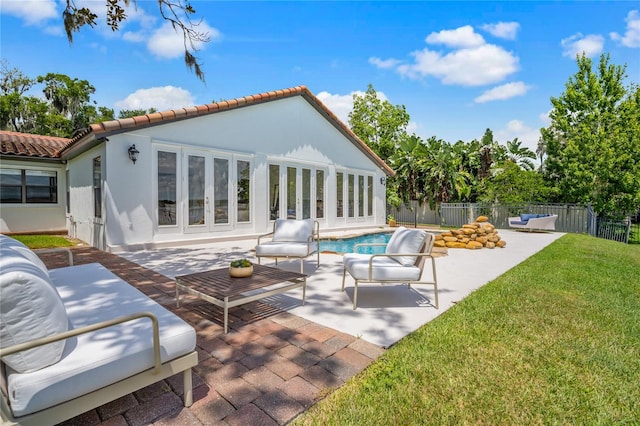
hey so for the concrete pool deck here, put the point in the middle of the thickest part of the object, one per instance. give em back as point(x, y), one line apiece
point(385, 314)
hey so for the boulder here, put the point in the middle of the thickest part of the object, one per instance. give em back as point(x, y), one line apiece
point(474, 245)
point(456, 244)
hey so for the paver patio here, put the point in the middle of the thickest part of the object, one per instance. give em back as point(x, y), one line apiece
point(271, 366)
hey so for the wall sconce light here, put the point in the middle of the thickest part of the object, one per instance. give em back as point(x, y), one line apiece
point(382, 180)
point(133, 153)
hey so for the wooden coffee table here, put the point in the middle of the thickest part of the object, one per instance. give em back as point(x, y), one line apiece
point(217, 287)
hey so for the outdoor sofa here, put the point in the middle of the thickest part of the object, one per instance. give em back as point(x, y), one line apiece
point(532, 222)
point(75, 338)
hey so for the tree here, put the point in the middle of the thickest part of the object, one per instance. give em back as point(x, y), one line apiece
point(378, 123)
point(520, 155)
point(593, 142)
point(177, 12)
point(446, 178)
point(65, 107)
point(128, 113)
point(409, 163)
point(510, 184)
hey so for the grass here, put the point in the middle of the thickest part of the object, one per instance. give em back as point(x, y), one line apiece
point(555, 340)
point(43, 241)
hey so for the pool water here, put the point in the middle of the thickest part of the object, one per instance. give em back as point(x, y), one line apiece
point(346, 245)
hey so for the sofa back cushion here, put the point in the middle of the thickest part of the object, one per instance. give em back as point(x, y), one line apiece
point(406, 240)
point(291, 230)
point(9, 245)
point(30, 308)
point(526, 216)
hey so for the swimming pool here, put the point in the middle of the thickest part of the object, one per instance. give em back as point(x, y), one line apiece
point(345, 245)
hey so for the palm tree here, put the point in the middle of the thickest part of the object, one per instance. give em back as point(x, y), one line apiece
point(520, 155)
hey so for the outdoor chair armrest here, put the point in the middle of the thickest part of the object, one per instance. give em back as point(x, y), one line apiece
point(57, 250)
point(393, 255)
point(90, 328)
point(270, 234)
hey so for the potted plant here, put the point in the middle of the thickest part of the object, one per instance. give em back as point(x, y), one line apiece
point(240, 268)
point(392, 220)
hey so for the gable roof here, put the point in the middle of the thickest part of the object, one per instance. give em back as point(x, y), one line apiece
point(28, 145)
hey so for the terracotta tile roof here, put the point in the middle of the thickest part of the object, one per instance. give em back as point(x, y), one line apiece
point(28, 145)
point(55, 147)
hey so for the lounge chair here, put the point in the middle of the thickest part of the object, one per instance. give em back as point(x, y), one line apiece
point(402, 262)
point(531, 222)
point(290, 239)
point(75, 338)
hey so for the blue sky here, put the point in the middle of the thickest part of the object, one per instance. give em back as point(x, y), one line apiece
point(459, 67)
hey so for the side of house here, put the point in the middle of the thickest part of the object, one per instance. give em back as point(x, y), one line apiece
point(219, 171)
point(32, 184)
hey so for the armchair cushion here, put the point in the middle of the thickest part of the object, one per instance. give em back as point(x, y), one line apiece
point(284, 249)
point(30, 308)
point(406, 240)
point(287, 230)
point(384, 268)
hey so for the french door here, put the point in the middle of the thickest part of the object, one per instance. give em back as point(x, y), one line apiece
point(217, 190)
point(301, 189)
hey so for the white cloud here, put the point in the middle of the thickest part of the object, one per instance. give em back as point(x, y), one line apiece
point(476, 66)
point(505, 30)
point(160, 98)
point(631, 37)
point(33, 12)
point(342, 105)
point(506, 91)
point(591, 45)
point(518, 129)
point(460, 37)
point(167, 42)
point(384, 64)
point(470, 61)
point(545, 118)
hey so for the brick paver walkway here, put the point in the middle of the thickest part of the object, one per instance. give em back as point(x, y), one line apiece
point(267, 370)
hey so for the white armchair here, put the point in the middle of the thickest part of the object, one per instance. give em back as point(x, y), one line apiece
point(402, 262)
point(291, 238)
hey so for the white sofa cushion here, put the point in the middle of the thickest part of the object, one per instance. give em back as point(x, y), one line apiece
point(289, 230)
point(284, 249)
point(23, 250)
point(91, 361)
point(30, 308)
point(383, 268)
point(406, 240)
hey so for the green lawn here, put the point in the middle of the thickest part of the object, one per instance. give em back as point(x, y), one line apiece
point(555, 340)
point(43, 241)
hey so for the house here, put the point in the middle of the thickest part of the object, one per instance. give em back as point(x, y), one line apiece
point(197, 174)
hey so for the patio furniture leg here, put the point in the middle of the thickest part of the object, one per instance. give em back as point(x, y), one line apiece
point(187, 385)
point(344, 274)
point(355, 296)
point(301, 266)
point(226, 315)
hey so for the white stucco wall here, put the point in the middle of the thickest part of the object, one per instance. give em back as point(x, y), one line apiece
point(35, 218)
point(82, 222)
point(286, 131)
